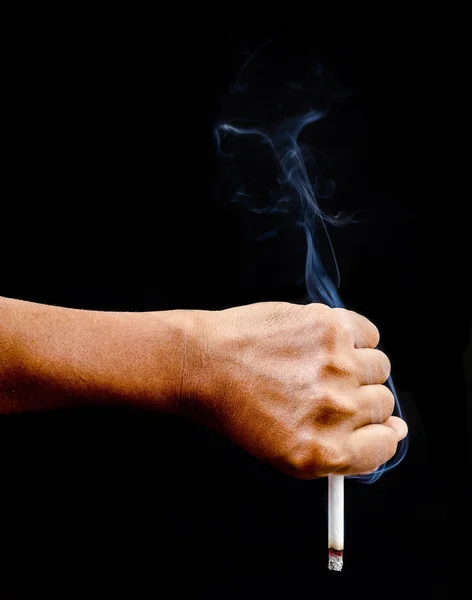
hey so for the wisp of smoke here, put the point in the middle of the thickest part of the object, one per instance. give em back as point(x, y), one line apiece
point(296, 189)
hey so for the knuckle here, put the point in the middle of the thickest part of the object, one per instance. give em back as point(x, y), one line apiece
point(371, 332)
point(374, 334)
point(328, 330)
point(277, 312)
point(392, 444)
point(334, 459)
point(387, 449)
point(385, 366)
point(321, 308)
point(302, 460)
point(314, 458)
point(330, 410)
point(333, 366)
point(388, 400)
point(342, 318)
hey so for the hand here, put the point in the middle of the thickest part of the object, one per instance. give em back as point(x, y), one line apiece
point(299, 387)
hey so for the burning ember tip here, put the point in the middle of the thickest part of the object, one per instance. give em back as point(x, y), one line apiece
point(335, 562)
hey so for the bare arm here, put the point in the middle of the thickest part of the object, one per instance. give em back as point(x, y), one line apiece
point(52, 357)
point(299, 387)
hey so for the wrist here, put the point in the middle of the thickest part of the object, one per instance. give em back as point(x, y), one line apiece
point(193, 332)
point(173, 346)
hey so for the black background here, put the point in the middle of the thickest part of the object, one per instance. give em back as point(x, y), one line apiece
point(110, 181)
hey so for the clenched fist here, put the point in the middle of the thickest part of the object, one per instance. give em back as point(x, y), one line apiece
point(299, 387)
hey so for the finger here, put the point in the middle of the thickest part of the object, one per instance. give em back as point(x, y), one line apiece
point(371, 446)
point(373, 366)
point(399, 426)
point(374, 405)
point(364, 333)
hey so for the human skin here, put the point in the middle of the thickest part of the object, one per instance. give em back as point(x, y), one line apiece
point(300, 387)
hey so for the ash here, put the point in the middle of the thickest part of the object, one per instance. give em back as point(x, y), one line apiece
point(335, 562)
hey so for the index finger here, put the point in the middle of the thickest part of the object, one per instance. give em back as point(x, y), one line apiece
point(364, 333)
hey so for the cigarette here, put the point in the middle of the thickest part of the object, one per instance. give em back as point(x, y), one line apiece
point(335, 522)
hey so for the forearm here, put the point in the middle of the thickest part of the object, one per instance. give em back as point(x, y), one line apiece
point(53, 357)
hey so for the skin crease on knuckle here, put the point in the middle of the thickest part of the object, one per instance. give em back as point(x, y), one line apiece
point(330, 411)
point(384, 451)
point(375, 404)
point(387, 402)
point(334, 458)
point(327, 334)
point(378, 365)
point(386, 366)
point(314, 458)
point(372, 366)
point(382, 410)
point(336, 368)
point(367, 331)
point(388, 448)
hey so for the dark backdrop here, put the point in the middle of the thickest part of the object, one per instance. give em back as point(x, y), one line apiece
point(110, 181)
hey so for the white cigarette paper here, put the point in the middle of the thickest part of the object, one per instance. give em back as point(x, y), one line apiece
point(335, 521)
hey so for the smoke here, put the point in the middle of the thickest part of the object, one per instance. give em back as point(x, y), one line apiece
point(290, 183)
